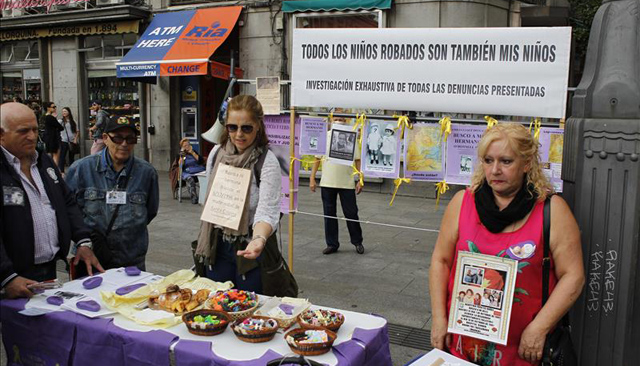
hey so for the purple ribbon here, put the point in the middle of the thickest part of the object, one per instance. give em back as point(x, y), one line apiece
point(193, 353)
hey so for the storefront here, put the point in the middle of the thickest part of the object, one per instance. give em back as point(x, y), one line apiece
point(20, 61)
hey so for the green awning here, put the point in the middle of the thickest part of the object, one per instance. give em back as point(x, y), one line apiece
point(328, 5)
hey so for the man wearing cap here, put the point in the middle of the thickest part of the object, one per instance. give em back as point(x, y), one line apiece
point(102, 117)
point(118, 194)
point(38, 213)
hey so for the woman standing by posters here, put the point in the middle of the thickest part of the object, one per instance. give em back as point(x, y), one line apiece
point(68, 136)
point(52, 130)
point(503, 209)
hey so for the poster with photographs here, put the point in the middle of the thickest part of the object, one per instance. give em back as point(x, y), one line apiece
point(313, 135)
point(342, 145)
point(278, 134)
point(551, 140)
point(461, 153)
point(482, 296)
point(424, 153)
point(381, 147)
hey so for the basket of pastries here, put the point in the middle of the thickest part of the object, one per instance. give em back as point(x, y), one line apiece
point(238, 303)
point(255, 329)
point(310, 341)
point(321, 318)
point(177, 300)
point(206, 322)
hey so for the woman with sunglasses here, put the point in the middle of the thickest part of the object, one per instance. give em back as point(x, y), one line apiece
point(243, 255)
point(52, 128)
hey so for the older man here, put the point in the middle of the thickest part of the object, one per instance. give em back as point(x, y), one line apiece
point(38, 213)
point(118, 194)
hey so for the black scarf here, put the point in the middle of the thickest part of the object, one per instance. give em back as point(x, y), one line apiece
point(494, 219)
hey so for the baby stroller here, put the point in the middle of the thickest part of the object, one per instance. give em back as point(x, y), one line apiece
point(296, 360)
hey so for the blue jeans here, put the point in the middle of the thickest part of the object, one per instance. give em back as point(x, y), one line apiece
point(225, 269)
point(350, 210)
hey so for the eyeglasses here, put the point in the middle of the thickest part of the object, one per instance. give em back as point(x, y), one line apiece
point(54, 107)
point(244, 128)
point(131, 140)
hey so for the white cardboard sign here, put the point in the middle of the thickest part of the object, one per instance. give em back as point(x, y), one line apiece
point(227, 196)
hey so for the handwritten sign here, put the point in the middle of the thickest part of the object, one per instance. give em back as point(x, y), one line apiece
point(227, 197)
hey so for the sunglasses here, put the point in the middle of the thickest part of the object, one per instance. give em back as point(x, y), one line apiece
point(234, 128)
point(53, 106)
point(131, 140)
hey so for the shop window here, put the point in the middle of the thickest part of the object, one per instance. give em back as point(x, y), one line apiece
point(34, 52)
point(6, 52)
point(12, 52)
point(11, 86)
point(119, 96)
point(108, 46)
point(112, 45)
point(93, 44)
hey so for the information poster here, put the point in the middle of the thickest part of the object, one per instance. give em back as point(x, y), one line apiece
point(268, 93)
point(482, 296)
point(278, 132)
point(424, 153)
point(551, 141)
point(381, 147)
point(227, 196)
point(461, 153)
point(313, 136)
point(342, 144)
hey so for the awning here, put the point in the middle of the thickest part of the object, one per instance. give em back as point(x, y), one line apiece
point(179, 43)
point(328, 5)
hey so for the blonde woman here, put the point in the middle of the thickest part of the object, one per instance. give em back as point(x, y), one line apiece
point(504, 208)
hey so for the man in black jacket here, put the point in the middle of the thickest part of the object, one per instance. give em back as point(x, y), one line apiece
point(38, 214)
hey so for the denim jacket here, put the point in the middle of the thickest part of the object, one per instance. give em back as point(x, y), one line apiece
point(92, 177)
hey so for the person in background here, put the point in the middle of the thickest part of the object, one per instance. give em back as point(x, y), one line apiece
point(38, 213)
point(337, 181)
point(102, 117)
point(192, 163)
point(503, 207)
point(52, 130)
point(68, 136)
point(115, 184)
point(238, 255)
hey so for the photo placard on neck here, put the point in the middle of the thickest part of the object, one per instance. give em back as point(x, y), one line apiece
point(227, 196)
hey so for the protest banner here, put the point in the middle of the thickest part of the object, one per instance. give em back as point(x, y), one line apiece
point(424, 153)
point(509, 71)
point(278, 134)
point(381, 147)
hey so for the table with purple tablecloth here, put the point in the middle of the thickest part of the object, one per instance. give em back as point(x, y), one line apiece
point(67, 338)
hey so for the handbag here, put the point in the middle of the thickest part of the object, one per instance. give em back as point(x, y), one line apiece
point(73, 147)
point(558, 348)
point(277, 279)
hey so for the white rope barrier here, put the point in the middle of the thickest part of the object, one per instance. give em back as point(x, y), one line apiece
point(366, 222)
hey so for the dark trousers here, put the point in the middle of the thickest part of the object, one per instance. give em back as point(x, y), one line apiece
point(225, 269)
point(40, 272)
point(350, 210)
point(64, 150)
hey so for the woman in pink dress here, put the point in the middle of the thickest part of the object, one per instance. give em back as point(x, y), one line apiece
point(502, 209)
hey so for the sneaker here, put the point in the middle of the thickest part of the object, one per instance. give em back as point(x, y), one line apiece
point(329, 250)
point(360, 249)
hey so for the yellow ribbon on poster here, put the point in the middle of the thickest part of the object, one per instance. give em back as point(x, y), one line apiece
point(361, 119)
point(359, 173)
point(441, 188)
point(403, 122)
point(445, 128)
point(536, 124)
point(490, 122)
point(397, 182)
point(291, 161)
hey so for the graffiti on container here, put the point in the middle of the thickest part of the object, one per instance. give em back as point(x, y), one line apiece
point(593, 292)
point(610, 281)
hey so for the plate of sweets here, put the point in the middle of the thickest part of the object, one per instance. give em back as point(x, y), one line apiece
point(310, 342)
point(206, 322)
point(178, 300)
point(321, 318)
point(255, 329)
point(238, 303)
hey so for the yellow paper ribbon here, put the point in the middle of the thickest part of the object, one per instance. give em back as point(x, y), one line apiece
point(441, 188)
point(397, 182)
point(291, 161)
point(490, 121)
point(361, 119)
point(403, 122)
point(331, 116)
point(445, 128)
point(359, 173)
point(536, 124)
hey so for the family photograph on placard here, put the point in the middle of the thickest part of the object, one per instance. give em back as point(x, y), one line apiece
point(381, 149)
point(342, 146)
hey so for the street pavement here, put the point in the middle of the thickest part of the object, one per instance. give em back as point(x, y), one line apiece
point(389, 279)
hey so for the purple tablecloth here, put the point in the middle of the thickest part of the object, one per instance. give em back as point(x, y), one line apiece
point(67, 338)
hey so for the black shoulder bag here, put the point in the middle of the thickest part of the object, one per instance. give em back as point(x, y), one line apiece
point(558, 348)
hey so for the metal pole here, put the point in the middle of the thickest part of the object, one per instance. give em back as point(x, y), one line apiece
point(292, 153)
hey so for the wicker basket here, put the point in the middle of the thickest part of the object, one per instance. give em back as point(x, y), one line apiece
point(311, 349)
point(209, 330)
point(237, 315)
point(254, 336)
point(332, 327)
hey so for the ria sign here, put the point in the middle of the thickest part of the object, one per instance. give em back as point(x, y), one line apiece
point(27, 4)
